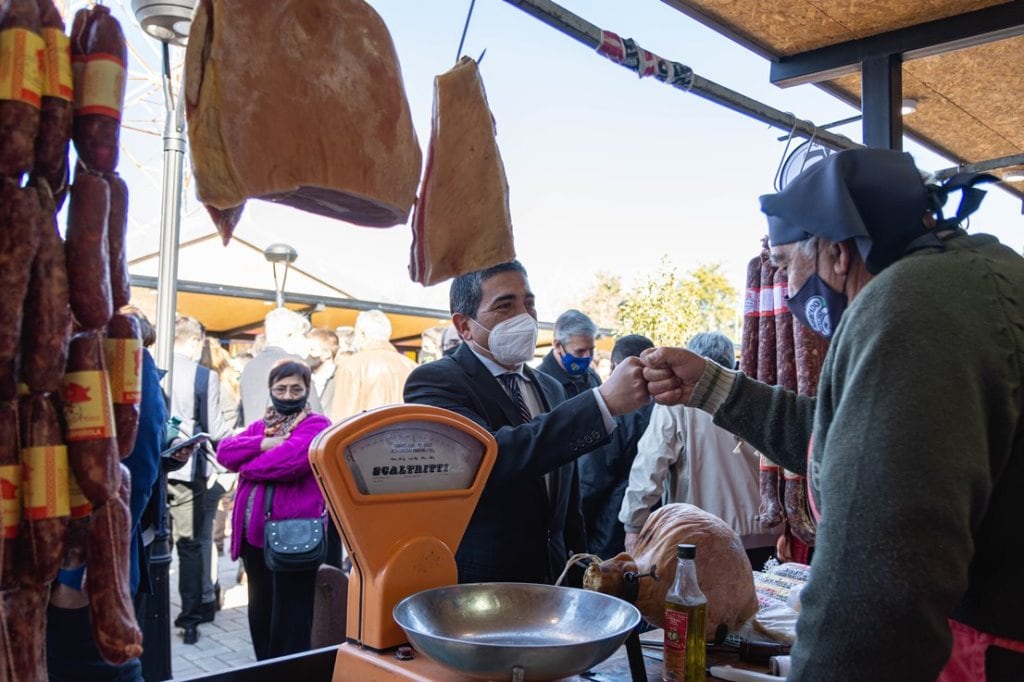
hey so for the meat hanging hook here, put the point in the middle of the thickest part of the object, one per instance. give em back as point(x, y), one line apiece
point(465, 29)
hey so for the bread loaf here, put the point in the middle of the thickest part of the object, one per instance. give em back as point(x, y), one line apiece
point(300, 102)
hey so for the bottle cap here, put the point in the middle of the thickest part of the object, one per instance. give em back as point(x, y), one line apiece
point(686, 551)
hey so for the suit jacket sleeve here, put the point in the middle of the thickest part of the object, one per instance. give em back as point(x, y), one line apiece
point(575, 526)
point(548, 441)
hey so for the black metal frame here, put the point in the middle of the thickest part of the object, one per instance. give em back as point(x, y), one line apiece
point(913, 42)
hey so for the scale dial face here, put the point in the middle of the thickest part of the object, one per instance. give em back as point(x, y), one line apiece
point(415, 456)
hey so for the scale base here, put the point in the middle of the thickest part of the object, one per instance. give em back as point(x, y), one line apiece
point(366, 665)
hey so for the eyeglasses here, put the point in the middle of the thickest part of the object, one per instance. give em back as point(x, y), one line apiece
point(282, 391)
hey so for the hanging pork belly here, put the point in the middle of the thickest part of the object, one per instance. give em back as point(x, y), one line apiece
point(462, 221)
point(299, 102)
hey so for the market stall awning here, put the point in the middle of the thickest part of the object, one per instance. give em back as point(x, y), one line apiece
point(961, 60)
point(230, 290)
point(226, 288)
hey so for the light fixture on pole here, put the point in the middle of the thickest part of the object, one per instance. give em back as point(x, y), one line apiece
point(284, 255)
point(165, 20)
point(1015, 175)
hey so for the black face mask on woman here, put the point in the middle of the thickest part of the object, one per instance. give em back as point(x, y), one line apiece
point(288, 406)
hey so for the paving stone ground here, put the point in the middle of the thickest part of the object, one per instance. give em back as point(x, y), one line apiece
point(223, 644)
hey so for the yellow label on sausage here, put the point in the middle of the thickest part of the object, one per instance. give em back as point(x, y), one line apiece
point(79, 504)
point(10, 500)
point(100, 84)
point(57, 80)
point(124, 367)
point(22, 60)
point(88, 411)
point(44, 475)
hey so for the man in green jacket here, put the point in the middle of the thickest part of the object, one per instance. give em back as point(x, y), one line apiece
point(914, 448)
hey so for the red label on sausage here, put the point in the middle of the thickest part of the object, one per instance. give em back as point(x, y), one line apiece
point(44, 472)
point(99, 84)
point(22, 61)
point(57, 81)
point(87, 406)
point(10, 500)
point(124, 367)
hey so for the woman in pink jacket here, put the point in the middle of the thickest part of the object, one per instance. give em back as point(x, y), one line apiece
point(275, 451)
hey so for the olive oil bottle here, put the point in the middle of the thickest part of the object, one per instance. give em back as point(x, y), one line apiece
point(685, 615)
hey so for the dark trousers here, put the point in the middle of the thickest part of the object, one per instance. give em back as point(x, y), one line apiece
point(192, 511)
point(71, 653)
point(280, 606)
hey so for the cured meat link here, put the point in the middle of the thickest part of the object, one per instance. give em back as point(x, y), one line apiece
point(88, 413)
point(810, 349)
point(751, 319)
point(123, 354)
point(45, 494)
point(19, 240)
point(785, 359)
point(47, 322)
point(115, 629)
point(19, 112)
point(10, 492)
point(87, 249)
point(55, 116)
point(99, 55)
point(798, 514)
point(117, 232)
point(25, 616)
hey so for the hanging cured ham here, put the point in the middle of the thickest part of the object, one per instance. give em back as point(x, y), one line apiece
point(462, 221)
point(300, 102)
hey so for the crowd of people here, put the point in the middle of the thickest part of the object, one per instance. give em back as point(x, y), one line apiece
point(917, 424)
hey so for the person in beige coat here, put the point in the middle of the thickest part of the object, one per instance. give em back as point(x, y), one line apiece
point(375, 374)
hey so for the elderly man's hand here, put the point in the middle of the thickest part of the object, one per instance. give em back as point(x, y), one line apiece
point(625, 390)
point(671, 374)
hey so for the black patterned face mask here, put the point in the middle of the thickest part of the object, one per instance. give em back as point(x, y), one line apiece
point(818, 306)
point(288, 406)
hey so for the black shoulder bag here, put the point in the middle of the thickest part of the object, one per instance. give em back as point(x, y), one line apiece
point(293, 544)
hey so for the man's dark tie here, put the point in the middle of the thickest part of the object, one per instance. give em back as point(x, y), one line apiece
point(511, 381)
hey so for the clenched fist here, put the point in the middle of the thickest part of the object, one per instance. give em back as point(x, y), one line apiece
point(671, 374)
point(625, 390)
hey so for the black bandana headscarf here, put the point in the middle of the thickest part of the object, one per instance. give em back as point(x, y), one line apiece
point(875, 197)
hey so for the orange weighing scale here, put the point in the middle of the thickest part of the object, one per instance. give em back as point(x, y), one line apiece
point(401, 483)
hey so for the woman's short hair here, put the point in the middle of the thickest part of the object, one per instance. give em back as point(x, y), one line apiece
point(289, 368)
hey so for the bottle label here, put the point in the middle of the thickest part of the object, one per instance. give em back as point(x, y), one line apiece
point(124, 367)
point(44, 472)
point(10, 500)
point(675, 630)
point(22, 59)
point(87, 407)
point(57, 78)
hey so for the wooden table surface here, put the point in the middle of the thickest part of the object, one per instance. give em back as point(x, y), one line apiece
point(616, 668)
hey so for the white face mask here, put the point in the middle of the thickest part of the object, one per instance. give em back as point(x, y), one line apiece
point(512, 341)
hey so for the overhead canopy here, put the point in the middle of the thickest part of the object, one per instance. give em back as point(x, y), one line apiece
point(226, 290)
point(962, 60)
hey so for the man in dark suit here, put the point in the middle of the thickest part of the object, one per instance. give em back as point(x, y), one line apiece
point(528, 521)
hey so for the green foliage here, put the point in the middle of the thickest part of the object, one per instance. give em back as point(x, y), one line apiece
point(669, 308)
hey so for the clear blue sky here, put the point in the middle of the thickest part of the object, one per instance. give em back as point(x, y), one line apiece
point(606, 172)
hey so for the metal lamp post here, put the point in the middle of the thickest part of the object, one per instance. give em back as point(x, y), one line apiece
point(284, 255)
point(168, 21)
